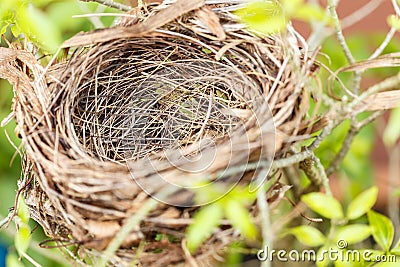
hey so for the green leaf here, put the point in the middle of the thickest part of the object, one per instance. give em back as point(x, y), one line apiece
point(42, 3)
point(382, 229)
point(324, 205)
point(291, 6)
point(205, 221)
point(263, 16)
point(39, 28)
point(392, 131)
point(23, 211)
point(394, 22)
point(352, 234)
point(12, 261)
point(240, 218)
point(396, 248)
point(308, 235)
point(22, 238)
point(362, 203)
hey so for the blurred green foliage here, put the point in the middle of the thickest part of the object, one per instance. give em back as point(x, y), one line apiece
point(268, 17)
point(47, 23)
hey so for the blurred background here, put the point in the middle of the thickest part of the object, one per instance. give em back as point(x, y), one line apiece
point(370, 161)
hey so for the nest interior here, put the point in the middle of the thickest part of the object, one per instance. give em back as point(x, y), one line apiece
point(129, 105)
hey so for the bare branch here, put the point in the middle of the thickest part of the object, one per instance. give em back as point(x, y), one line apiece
point(111, 4)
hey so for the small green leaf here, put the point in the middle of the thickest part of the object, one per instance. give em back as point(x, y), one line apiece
point(23, 211)
point(39, 28)
point(382, 229)
point(291, 6)
point(12, 261)
point(240, 218)
point(22, 238)
point(392, 131)
point(324, 205)
point(394, 22)
point(308, 235)
point(362, 203)
point(3, 27)
point(206, 50)
point(353, 234)
point(263, 16)
point(396, 248)
point(205, 221)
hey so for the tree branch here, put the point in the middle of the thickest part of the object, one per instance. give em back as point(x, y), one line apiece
point(111, 4)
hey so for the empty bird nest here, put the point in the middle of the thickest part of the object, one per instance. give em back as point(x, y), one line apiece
point(174, 96)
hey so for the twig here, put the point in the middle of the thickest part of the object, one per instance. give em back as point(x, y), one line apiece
point(396, 7)
point(308, 167)
point(353, 131)
point(29, 258)
point(322, 174)
point(281, 163)
point(190, 259)
point(387, 84)
point(332, 4)
point(360, 13)
point(334, 165)
point(320, 31)
point(132, 223)
point(6, 220)
point(95, 20)
point(339, 33)
point(393, 207)
point(265, 223)
point(384, 44)
point(111, 4)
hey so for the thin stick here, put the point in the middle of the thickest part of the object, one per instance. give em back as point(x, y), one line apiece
point(322, 174)
point(360, 13)
point(393, 207)
point(354, 130)
point(32, 261)
point(332, 4)
point(267, 238)
point(384, 44)
point(111, 4)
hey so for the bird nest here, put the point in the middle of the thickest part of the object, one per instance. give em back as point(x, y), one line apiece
point(154, 112)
